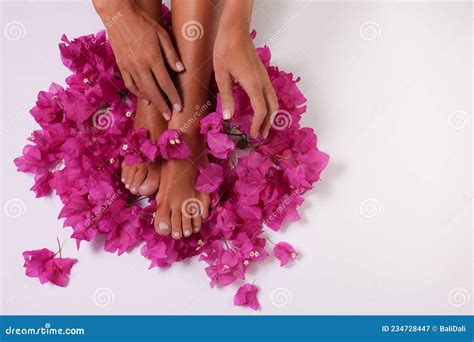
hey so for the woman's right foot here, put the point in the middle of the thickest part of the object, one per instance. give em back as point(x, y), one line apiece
point(144, 178)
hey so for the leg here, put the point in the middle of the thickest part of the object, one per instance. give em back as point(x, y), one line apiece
point(144, 178)
point(179, 176)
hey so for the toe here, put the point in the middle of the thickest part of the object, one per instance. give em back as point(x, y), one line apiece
point(152, 180)
point(197, 224)
point(205, 200)
point(176, 224)
point(130, 175)
point(163, 220)
point(138, 179)
point(125, 170)
point(187, 225)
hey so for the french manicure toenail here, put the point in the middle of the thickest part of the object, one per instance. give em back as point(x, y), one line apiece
point(163, 226)
point(176, 234)
point(167, 116)
point(177, 107)
point(179, 66)
point(145, 187)
point(226, 114)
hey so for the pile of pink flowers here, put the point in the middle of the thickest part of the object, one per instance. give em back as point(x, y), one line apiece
point(87, 131)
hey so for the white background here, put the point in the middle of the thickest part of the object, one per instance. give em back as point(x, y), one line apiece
point(387, 231)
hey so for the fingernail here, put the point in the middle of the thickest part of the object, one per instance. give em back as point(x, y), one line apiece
point(133, 190)
point(164, 226)
point(179, 66)
point(176, 234)
point(123, 180)
point(167, 116)
point(177, 107)
point(265, 135)
point(147, 102)
point(187, 233)
point(226, 114)
point(196, 229)
point(127, 186)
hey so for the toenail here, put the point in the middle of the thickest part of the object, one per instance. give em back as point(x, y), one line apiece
point(176, 234)
point(145, 187)
point(164, 226)
point(187, 233)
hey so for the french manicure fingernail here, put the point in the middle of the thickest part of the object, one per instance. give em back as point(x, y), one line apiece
point(179, 66)
point(226, 114)
point(133, 190)
point(177, 107)
point(164, 226)
point(265, 135)
point(196, 229)
point(147, 102)
point(123, 180)
point(127, 186)
point(176, 234)
point(167, 116)
point(187, 233)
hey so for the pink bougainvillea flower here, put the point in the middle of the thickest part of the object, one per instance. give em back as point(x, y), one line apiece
point(42, 264)
point(220, 145)
point(247, 296)
point(210, 178)
point(284, 252)
point(137, 148)
point(173, 146)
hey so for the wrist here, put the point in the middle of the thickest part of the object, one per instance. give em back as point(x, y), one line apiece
point(236, 17)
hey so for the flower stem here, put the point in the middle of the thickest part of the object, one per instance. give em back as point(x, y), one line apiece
point(59, 246)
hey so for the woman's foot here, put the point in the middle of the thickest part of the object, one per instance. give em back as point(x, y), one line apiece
point(144, 178)
point(180, 208)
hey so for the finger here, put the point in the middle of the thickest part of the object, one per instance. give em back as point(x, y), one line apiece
point(167, 85)
point(225, 85)
point(257, 101)
point(272, 105)
point(170, 52)
point(132, 86)
point(151, 89)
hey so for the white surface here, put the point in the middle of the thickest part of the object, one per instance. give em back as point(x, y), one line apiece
point(381, 109)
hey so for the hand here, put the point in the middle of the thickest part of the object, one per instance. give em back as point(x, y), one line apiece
point(235, 59)
point(140, 45)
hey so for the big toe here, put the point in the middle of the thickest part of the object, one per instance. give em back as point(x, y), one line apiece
point(163, 220)
point(152, 181)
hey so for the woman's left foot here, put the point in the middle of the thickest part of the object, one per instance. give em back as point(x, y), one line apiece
point(180, 207)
